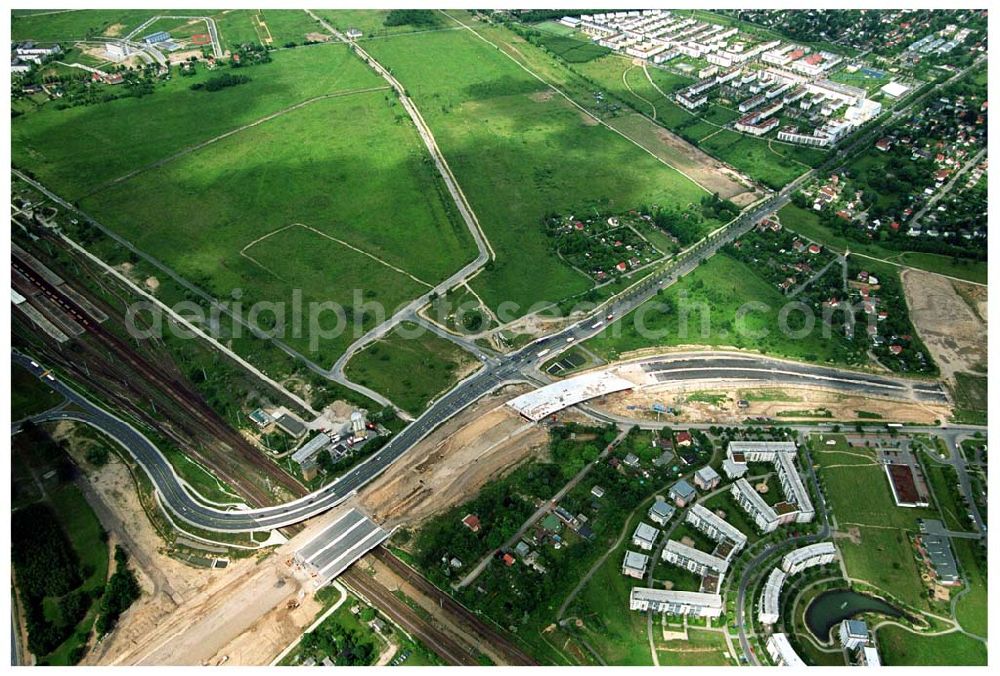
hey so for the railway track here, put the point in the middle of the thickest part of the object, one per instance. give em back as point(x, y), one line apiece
point(488, 634)
point(445, 647)
point(179, 393)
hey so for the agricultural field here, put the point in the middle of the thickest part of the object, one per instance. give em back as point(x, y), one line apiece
point(362, 213)
point(520, 152)
point(268, 27)
point(702, 308)
point(410, 366)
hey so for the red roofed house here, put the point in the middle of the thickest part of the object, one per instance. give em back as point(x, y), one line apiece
point(896, 349)
point(621, 267)
point(813, 59)
point(883, 144)
point(815, 248)
point(684, 438)
point(508, 560)
point(471, 522)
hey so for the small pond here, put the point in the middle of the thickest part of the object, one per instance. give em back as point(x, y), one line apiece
point(831, 607)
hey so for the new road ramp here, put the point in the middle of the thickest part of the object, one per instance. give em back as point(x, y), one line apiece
point(340, 544)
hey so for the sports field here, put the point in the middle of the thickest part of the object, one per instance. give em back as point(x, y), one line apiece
point(520, 152)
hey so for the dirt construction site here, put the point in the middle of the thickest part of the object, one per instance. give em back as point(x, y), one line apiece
point(246, 613)
point(453, 463)
point(788, 404)
point(952, 328)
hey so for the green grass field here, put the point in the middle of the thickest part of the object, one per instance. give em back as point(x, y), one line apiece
point(970, 393)
point(28, 395)
point(410, 371)
point(615, 632)
point(366, 186)
point(972, 609)
point(716, 291)
point(372, 22)
point(858, 490)
point(899, 647)
point(76, 150)
point(520, 152)
point(76, 24)
point(886, 559)
point(774, 164)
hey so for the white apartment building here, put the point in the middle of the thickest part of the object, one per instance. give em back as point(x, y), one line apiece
point(770, 599)
point(817, 554)
point(672, 602)
point(781, 652)
point(694, 560)
point(715, 527)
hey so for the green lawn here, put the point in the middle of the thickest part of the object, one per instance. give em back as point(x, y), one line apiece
point(374, 218)
point(520, 152)
point(410, 366)
point(944, 483)
point(886, 559)
point(899, 647)
point(615, 632)
point(704, 308)
point(972, 609)
point(28, 395)
point(76, 150)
